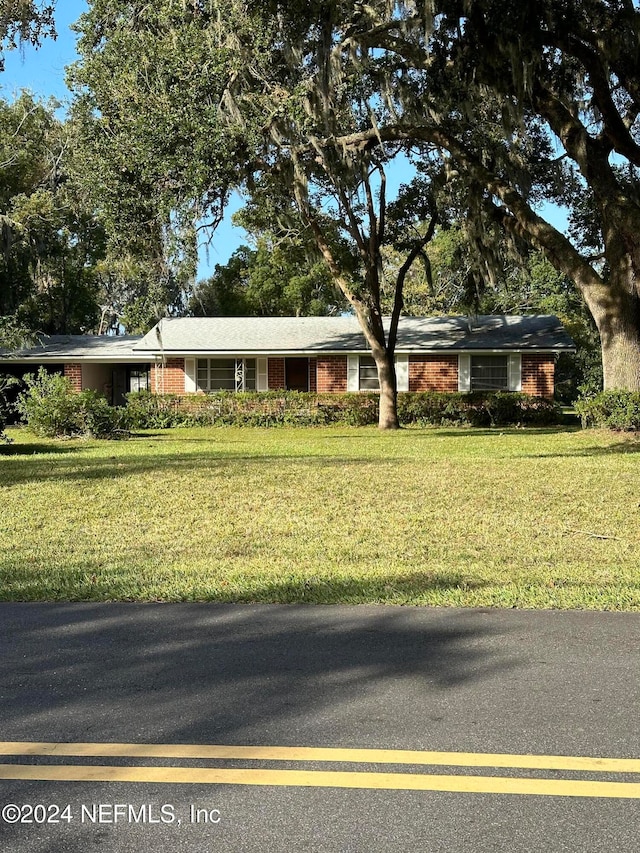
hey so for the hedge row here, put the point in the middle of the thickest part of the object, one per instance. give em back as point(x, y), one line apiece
point(51, 407)
point(279, 408)
point(619, 410)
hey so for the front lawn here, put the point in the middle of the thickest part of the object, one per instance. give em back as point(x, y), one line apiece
point(511, 518)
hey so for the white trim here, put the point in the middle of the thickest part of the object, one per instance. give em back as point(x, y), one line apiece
point(514, 372)
point(402, 372)
point(464, 372)
point(353, 373)
point(190, 384)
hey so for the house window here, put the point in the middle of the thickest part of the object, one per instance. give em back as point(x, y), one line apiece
point(227, 374)
point(489, 373)
point(139, 378)
point(368, 374)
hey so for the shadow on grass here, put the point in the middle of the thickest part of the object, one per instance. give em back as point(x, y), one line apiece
point(36, 449)
point(86, 583)
point(621, 447)
point(115, 467)
point(500, 432)
point(403, 589)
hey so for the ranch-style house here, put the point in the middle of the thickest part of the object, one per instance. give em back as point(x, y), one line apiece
point(319, 354)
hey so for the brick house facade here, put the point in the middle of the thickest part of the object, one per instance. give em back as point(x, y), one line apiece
point(327, 355)
point(328, 374)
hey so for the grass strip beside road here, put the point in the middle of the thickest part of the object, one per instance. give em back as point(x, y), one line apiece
point(511, 518)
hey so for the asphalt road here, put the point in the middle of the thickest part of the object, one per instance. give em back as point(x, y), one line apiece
point(477, 682)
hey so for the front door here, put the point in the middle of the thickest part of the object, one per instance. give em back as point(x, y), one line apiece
point(119, 386)
point(296, 374)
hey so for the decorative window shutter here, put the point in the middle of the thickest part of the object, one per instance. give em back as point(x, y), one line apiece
point(353, 373)
point(402, 372)
point(190, 386)
point(464, 372)
point(262, 375)
point(515, 372)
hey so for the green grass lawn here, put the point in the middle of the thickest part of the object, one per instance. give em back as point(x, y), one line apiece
point(511, 518)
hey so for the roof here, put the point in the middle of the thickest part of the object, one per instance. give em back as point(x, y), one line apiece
point(272, 335)
point(309, 335)
point(82, 347)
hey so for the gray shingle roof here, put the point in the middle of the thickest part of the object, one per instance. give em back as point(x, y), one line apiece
point(342, 334)
point(83, 347)
point(272, 335)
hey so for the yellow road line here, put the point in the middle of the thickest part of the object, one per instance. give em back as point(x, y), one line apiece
point(305, 753)
point(322, 779)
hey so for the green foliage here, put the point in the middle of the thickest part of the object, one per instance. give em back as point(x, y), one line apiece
point(50, 240)
point(52, 408)
point(476, 409)
point(306, 105)
point(280, 408)
point(6, 382)
point(617, 410)
point(270, 281)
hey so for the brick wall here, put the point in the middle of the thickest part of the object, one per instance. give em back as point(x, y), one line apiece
point(168, 379)
point(275, 372)
point(331, 373)
point(73, 373)
point(313, 375)
point(433, 373)
point(538, 374)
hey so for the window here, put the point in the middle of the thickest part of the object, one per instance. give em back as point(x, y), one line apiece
point(368, 374)
point(489, 373)
point(139, 378)
point(226, 374)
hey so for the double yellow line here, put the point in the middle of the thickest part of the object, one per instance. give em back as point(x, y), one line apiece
point(572, 787)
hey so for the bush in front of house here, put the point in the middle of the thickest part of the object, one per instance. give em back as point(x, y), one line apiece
point(52, 408)
point(281, 408)
point(252, 408)
point(617, 410)
point(6, 382)
point(480, 409)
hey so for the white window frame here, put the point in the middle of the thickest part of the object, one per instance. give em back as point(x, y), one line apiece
point(514, 370)
point(240, 374)
point(353, 373)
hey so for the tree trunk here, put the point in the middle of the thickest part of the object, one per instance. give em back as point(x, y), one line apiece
point(388, 418)
point(620, 340)
point(617, 317)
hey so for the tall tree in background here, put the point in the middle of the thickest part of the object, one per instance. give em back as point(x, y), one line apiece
point(49, 241)
point(277, 278)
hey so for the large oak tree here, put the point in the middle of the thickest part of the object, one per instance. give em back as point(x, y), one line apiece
point(308, 104)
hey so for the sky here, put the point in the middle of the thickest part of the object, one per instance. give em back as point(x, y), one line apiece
point(42, 71)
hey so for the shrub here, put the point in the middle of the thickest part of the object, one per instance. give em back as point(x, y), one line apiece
point(280, 408)
point(477, 409)
point(6, 382)
point(617, 410)
point(51, 407)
